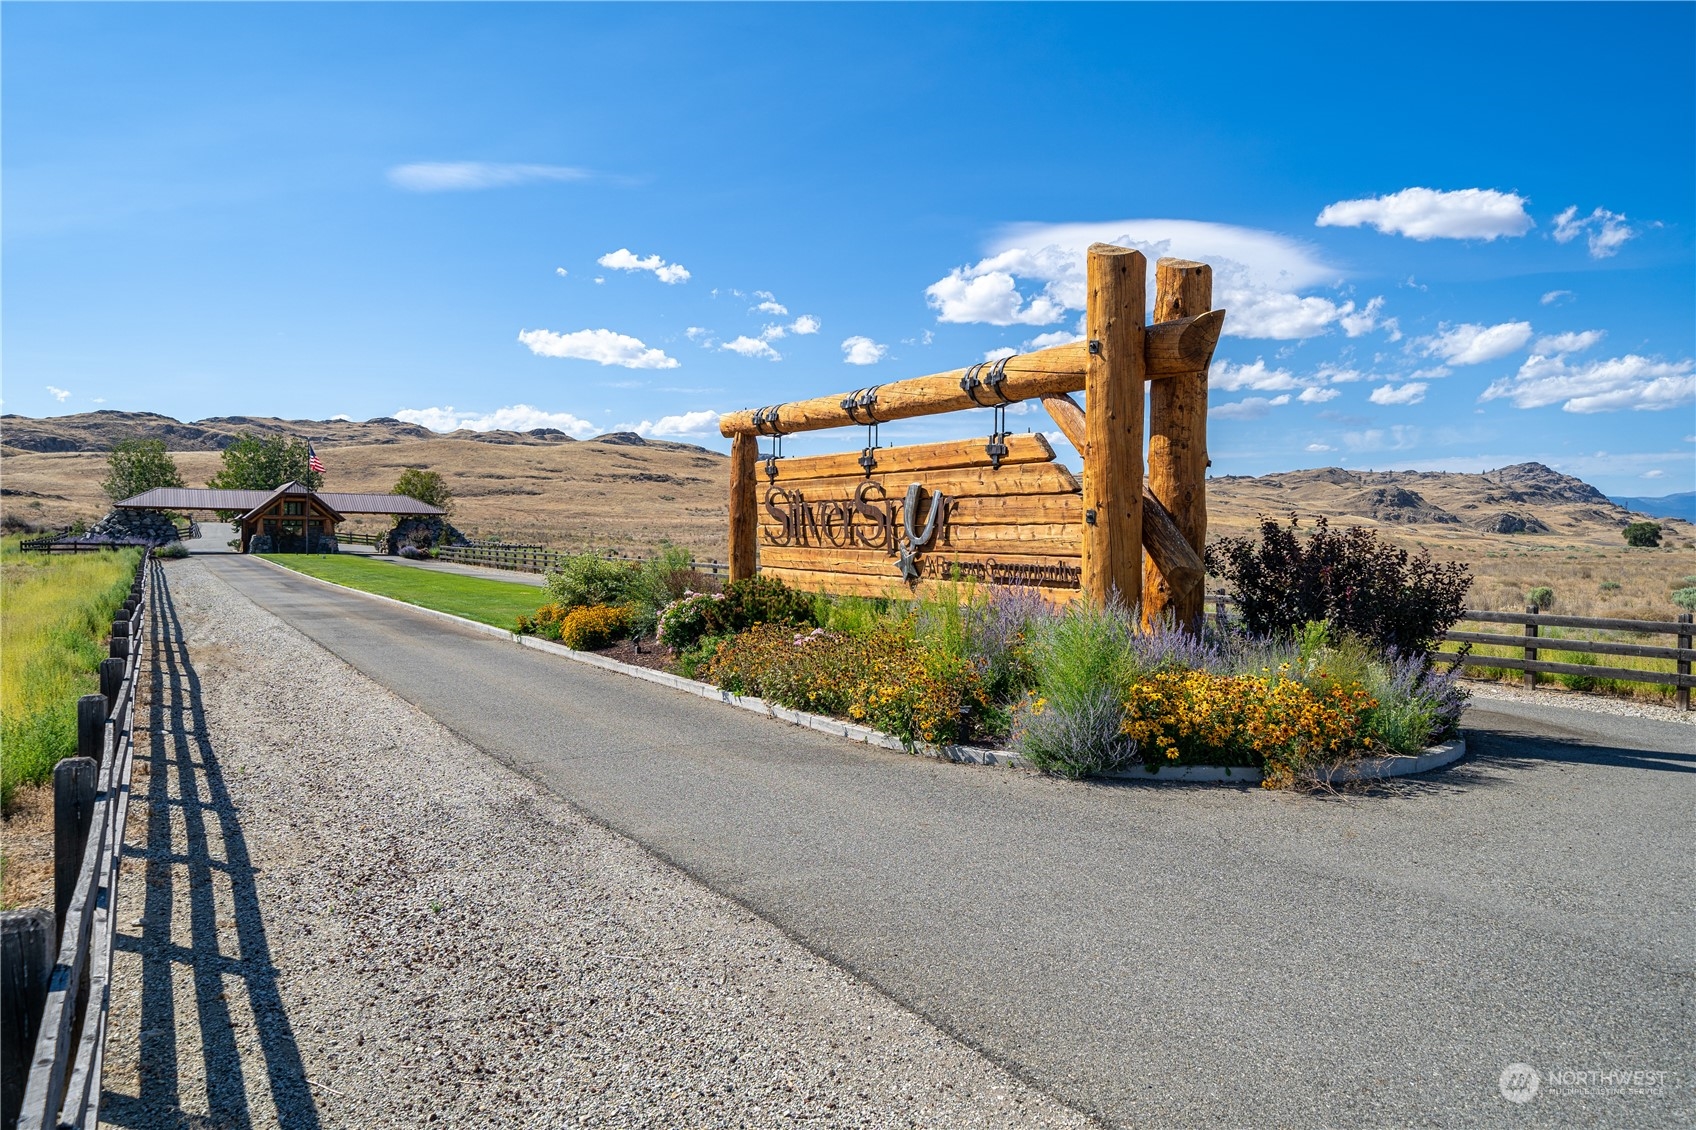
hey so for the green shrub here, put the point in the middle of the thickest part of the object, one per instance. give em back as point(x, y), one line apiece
point(1685, 598)
point(172, 551)
point(588, 578)
point(742, 604)
point(1611, 586)
point(1643, 535)
point(1542, 596)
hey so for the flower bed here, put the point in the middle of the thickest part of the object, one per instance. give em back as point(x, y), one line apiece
point(1079, 692)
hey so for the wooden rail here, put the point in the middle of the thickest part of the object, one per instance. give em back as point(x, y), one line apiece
point(63, 1018)
point(1531, 642)
point(535, 559)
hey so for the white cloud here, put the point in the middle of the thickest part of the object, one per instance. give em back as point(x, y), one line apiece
point(1410, 393)
point(515, 418)
point(805, 324)
point(341, 416)
point(1371, 318)
point(462, 176)
point(98, 399)
point(1554, 296)
point(599, 281)
point(59, 394)
point(698, 333)
point(1426, 213)
point(1049, 340)
point(1568, 342)
point(981, 294)
point(1639, 383)
point(1470, 344)
point(626, 260)
point(1252, 408)
point(752, 347)
point(1655, 474)
point(1318, 395)
point(1000, 352)
point(561, 272)
point(1317, 447)
point(771, 307)
point(1331, 374)
point(1604, 231)
point(862, 351)
point(602, 346)
point(1401, 437)
point(1228, 377)
point(1256, 276)
point(704, 422)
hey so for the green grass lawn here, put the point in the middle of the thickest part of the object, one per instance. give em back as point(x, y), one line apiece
point(499, 603)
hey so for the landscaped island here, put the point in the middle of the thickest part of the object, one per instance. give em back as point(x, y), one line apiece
point(1327, 664)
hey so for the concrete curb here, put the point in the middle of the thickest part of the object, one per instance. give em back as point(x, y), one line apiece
point(1436, 757)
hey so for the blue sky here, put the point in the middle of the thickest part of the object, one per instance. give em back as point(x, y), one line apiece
point(1447, 237)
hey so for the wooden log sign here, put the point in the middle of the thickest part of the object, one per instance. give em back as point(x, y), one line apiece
point(921, 515)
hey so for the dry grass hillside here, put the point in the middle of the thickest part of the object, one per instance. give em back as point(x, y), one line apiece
point(1517, 528)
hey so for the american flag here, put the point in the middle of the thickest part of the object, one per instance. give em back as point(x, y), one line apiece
point(313, 463)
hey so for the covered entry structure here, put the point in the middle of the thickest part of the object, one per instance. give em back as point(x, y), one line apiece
point(294, 518)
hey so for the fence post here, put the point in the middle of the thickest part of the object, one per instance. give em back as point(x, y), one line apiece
point(73, 812)
point(1530, 651)
point(120, 647)
point(26, 966)
point(1684, 664)
point(111, 678)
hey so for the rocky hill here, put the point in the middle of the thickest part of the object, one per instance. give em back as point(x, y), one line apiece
point(622, 490)
point(98, 431)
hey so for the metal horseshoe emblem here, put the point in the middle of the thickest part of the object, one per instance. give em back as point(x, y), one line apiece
point(917, 540)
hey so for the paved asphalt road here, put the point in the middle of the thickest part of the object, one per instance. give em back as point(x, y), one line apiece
point(1155, 955)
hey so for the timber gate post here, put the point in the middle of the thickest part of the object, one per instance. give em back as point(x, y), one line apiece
point(1114, 379)
point(744, 505)
point(1177, 446)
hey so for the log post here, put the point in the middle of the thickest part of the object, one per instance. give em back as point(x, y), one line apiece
point(1684, 618)
point(1530, 650)
point(111, 678)
point(744, 508)
point(26, 966)
point(1177, 443)
point(1114, 377)
point(74, 781)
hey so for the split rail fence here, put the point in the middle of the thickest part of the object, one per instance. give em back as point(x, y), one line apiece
point(535, 559)
point(1531, 643)
point(56, 967)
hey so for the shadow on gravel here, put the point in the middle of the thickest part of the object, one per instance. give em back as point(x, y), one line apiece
point(184, 776)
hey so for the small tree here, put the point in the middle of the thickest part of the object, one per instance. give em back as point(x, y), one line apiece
point(426, 486)
point(253, 463)
point(1542, 596)
point(1643, 535)
point(138, 466)
point(1360, 585)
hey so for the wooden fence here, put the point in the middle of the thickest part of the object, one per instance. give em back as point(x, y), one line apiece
point(66, 542)
point(1530, 642)
point(54, 1009)
point(535, 559)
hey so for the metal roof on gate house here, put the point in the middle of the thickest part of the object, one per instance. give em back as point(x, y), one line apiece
point(201, 498)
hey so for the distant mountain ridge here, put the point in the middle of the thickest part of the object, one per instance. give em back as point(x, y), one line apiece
point(1681, 505)
point(98, 431)
point(542, 485)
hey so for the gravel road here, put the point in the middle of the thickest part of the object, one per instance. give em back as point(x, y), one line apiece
point(341, 914)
